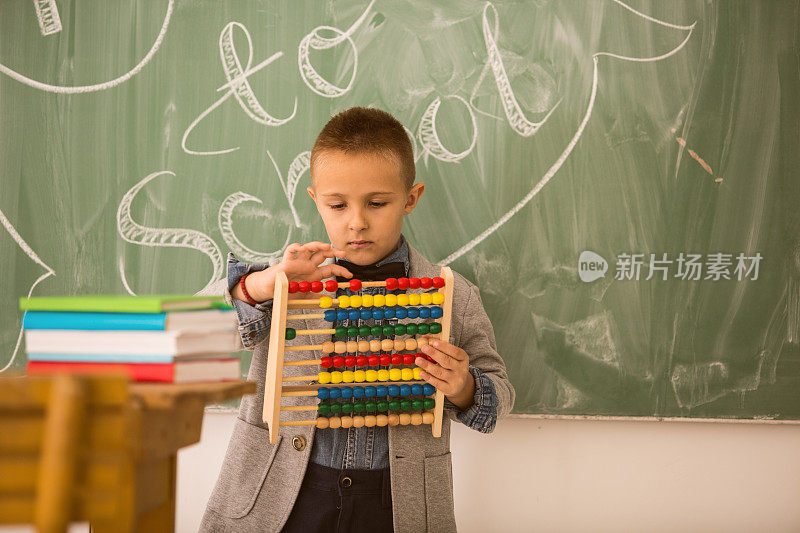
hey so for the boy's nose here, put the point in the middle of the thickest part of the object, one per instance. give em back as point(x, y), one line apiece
point(358, 221)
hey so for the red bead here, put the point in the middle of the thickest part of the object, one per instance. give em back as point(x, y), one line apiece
point(316, 286)
point(408, 359)
point(355, 285)
point(374, 360)
point(294, 286)
point(331, 285)
point(304, 286)
point(402, 283)
point(438, 282)
point(386, 359)
point(350, 360)
point(414, 283)
point(391, 284)
point(397, 359)
point(361, 360)
point(426, 283)
point(338, 361)
point(325, 362)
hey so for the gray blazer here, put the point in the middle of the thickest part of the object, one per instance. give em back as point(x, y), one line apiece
point(259, 481)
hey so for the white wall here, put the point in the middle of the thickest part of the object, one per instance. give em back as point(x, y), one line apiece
point(588, 475)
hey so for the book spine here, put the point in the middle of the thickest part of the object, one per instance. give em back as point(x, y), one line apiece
point(164, 373)
point(101, 358)
point(94, 321)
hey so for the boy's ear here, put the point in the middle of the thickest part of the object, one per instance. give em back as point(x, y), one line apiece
point(413, 197)
point(311, 193)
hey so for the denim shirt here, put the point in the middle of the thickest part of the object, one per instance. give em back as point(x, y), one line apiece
point(363, 448)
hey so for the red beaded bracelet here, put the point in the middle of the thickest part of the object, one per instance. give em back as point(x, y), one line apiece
point(244, 290)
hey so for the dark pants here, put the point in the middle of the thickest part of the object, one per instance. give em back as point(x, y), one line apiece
point(342, 501)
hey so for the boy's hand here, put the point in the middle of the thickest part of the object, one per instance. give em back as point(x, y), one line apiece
point(450, 374)
point(300, 263)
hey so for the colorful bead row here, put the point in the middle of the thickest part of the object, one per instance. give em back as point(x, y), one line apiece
point(333, 315)
point(380, 300)
point(388, 330)
point(383, 406)
point(360, 376)
point(394, 419)
point(379, 391)
point(351, 361)
point(375, 345)
point(355, 285)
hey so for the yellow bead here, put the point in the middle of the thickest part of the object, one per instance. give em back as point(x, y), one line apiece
point(352, 346)
point(355, 301)
point(416, 419)
point(422, 341)
point(399, 345)
point(324, 377)
point(358, 421)
point(371, 375)
point(344, 301)
point(402, 299)
point(417, 370)
point(327, 347)
point(437, 298)
point(405, 419)
point(394, 419)
point(395, 374)
point(366, 300)
point(382, 420)
point(387, 345)
point(427, 418)
point(325, 302)
point(347, 422)
point(379, 300)
point(335, 422)
point(359, 376)
point(340, 347)
point(413, 299)
point(374, 345)
point(407, 374)
point(323, 422)
point(363, 346)
point(371, 420)
point(347, 376)
point(411, 344)
point(391, 300)
point(425, 298)
point(383, 375)
point(336, 377)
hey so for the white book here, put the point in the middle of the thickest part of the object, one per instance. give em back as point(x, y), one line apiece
point(171, 342)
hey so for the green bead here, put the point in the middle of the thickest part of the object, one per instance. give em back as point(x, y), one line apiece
point(411, 329)
point(340, 332)
point(388, 330)
point(405, 405)
point(423, 329)
point(352, 331)
point(399, 329)
point(363, 331)
point(358, 407)
point(370, 406)
point(383, 405)
point(394, 405)
point(323, 408)
point(428, 403)
point(290, 334)
point(416, 404)
point(336, 407)
point(376, 331)
point(347, 407)
point(436, 327)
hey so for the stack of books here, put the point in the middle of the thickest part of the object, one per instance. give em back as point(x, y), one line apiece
point(174, 339)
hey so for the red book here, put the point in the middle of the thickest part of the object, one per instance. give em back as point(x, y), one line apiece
point(176, 372)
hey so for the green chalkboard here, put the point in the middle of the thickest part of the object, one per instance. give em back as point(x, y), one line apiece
point(571, 151)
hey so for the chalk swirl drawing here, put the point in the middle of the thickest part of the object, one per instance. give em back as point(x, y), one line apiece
point(238, 86)
point(314, 40)
point(299, 164)
point(48, 17)
point(225, 221)
point(135, 233)
point(35, 257)
point(577, 135)
point(429, 138)
point(99, 86)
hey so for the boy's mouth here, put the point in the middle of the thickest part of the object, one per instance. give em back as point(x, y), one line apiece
point(359, 244)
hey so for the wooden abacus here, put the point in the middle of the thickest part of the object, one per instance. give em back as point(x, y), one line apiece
point(392, 388)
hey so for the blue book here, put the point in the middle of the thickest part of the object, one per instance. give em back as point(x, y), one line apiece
point(118, 358)
point(179, 320)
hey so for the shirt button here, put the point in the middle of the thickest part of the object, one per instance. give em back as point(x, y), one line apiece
point(299, 443)
point(345, 482)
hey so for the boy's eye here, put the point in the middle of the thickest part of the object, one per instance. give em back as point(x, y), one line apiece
point(337, 206)
point(378, 204)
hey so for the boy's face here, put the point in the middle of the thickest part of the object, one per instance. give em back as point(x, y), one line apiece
point(362, 200)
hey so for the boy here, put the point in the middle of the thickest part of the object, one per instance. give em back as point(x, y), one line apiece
point(395, 478)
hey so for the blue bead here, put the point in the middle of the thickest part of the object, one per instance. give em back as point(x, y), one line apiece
point(428, 389)
point(334, 392)
point(413, 312)
point(341, 314)
point(330, 315)
point(401, 313)
point(358, 392)
point(424, 312)
point(322, 393)
point(394, 390)
point(437, 312)
point(416, 389)
point(389, 312)
point(405, 390)
point(377, 314)
point(366, 313)
point(369, 392)
point(353, 314)
point(347, 392)
point(381, 391)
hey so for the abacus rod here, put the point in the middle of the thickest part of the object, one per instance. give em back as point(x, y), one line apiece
point(296, 394)
point(305, 316)
point(314, 377)
point(314, 422)
point(421, 341)
point(315, 386)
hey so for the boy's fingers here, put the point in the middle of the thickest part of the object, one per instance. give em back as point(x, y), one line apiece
point(291, 251)
point(439, 371)
point(441, 358)
point(436, 382)
point(329, 271)
point(453, 351)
